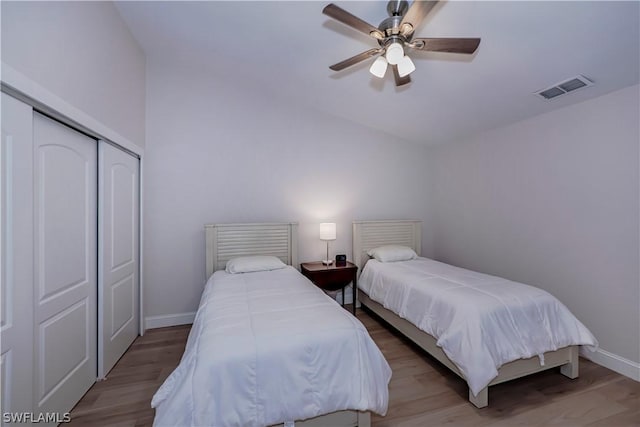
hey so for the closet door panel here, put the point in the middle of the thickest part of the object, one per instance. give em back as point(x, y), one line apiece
point(118, 260)
point(65, 234)
point(16, 254)
point(65, 238)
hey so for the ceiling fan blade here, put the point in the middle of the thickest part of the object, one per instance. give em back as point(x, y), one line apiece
point(446, 45)
point(414, 16)
point(355, 59)
point(352, 21)
point(400, 81)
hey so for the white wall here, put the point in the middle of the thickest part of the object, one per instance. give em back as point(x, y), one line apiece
point(82, 52)
point(222, 152)
point(552, 201)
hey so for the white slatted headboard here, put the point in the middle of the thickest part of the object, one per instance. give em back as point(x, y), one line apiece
point(226, 241)
point(371, 234)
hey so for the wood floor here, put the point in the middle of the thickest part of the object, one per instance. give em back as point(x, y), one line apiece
point(422, 392)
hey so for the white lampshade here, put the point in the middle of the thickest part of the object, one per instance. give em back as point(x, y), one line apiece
point(328, 231)
point(394, 54)
point(379, 67)
point(405, 66)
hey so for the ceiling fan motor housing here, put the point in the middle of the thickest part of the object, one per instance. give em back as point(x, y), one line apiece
point(390, 26)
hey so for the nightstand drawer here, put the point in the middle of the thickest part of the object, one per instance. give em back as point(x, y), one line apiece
point(331, 280)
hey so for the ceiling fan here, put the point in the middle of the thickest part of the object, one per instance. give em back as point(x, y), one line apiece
point(393, 35)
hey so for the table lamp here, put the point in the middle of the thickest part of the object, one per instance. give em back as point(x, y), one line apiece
point(327, 232)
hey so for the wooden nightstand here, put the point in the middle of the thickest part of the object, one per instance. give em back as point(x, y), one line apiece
point(332, 277)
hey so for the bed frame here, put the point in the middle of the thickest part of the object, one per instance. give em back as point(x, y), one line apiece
point(370, 234)
point(225, 241)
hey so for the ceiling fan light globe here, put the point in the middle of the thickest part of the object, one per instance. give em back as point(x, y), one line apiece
point(405, 66)
point(394, 54)
point(379, 67)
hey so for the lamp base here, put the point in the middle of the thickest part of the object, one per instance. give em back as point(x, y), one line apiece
point(327, 261)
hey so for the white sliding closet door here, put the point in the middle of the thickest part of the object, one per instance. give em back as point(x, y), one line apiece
point(119, 263)
point(16, 189)
point(65, 288)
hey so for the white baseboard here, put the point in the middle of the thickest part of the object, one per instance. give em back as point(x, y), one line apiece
point(153, 322)
point(616, 363)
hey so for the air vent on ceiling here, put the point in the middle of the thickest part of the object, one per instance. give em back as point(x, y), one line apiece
point(564, 87)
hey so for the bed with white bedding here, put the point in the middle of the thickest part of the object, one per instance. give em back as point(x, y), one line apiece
point(269, 347)
point(485, 328)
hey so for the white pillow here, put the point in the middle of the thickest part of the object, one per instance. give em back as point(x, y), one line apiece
point(248, 264)
point(392, 253)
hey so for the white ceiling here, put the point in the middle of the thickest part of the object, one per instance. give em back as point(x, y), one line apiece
point(286, 47)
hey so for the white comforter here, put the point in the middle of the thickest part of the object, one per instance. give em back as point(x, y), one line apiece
point(270, 347)
point(481, 322)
